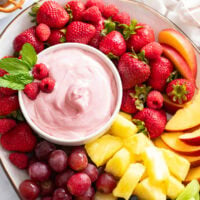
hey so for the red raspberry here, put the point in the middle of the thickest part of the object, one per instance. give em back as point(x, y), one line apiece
point(47, 85)
point(92, 15)
point(43, 32)
point(56, 37)
point(32, 90)
point(122, 18)
point(40, 71)
point(98, 3)
point(20, 160)
point(6, 125)
point(154, 100)
point(152, 50)
point(110, 10)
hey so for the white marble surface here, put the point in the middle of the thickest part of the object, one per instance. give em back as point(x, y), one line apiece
point(166, 7)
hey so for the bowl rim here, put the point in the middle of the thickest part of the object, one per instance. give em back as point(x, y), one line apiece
point(107, 124)
point(134, 2)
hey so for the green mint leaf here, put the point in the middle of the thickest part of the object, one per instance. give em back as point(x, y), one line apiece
point(13, 65)
point(16, 81)
point(29, 55)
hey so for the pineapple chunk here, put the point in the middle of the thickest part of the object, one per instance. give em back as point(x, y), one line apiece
point(145, 190)
point(136, 144)
point(102, 196)
point(156, 166)
point(102, 149)
point(177, 165)
point(118, 164)
point(126, 115)
point(174, 188)
point(129, 180)
point(122, 127)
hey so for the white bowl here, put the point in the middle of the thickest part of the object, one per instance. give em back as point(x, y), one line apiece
point(106, 126)
point(136, 10)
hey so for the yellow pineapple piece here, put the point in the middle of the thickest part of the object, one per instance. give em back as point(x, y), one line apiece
point(156, 165)
point(146, 190)
point(102, 149)
point(174, 188)
point(178, 166)
point(136, 144)
point(118, 164)
point(126, 115)
point(122, 127)
point(129, 180)
point(102, 196)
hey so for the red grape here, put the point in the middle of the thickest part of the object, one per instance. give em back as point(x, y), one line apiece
point(106, 183)
point(46, 198)
point(78, 184)
point(43, 149)
point(58, 160)
point(78, 160)
point(61, 194)
point(29, 190)
point(46, 188)
point(91, 171)
point(88, 195)
point(61, 179)
point(39, 171)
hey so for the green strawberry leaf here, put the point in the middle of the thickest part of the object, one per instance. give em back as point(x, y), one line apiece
point(16, 81)
point(109, 27)
point(14, 65)
point(29, 55)
point(17, 115)
point(141, 126)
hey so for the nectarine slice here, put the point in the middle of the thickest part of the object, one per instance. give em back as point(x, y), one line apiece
point(192, 138)
point(194, 160)
point(178, 62)
point(186, 118)
point(172, 140)
point(194, 173)
point(178, 41)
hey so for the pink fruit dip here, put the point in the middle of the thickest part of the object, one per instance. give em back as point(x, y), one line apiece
point(83, 99)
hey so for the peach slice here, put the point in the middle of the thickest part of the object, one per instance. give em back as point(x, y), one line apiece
point(194, 160)
point(186, 118)
point(192, 138)
point(170, 106)
point(178, 62)
point(194, 173)
point(179, 42)
point(172, 140)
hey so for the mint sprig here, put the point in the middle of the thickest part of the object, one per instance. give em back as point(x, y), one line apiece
point(18, 69)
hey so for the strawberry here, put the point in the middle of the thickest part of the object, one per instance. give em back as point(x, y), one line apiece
point(113, 44)
point(8, 104)
point(75, 9)
point(110, 10)
point(19, 139)
point(80, 32)
point(98, 3)
point(153, 120)
point(32, 90)
point(143, 35)
point(92, 15)
point(97, 37)
point(180, 90)
point(43, 32)
point(52, 14)
point(132, 70)
point(155, 100)
point(57, 36)
point(122, 18)
point(28, 36)
point(20, 160)
point(134, 99)
point(6, 125)
point(161, 69)
point(152, 50)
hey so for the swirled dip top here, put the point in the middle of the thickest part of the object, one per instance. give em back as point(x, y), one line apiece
point(83, 99)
